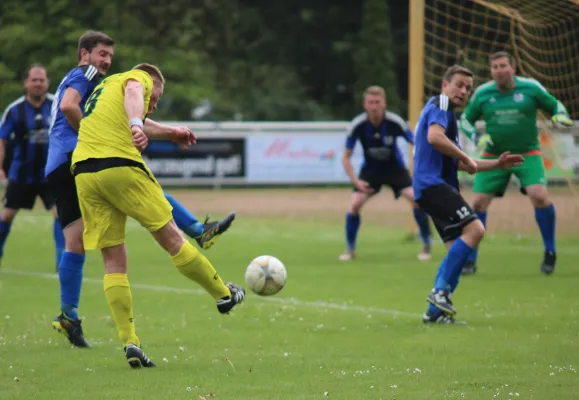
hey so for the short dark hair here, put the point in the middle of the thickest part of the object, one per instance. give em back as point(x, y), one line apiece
point(91, 39)
point(456, 70)
point(375, 90)
point(31, 67)
point(501, 54)
point(152, 70)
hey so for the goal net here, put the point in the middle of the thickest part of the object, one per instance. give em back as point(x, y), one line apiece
point(542, 36)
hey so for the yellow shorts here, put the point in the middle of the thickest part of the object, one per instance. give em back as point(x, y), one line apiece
point(108, 196)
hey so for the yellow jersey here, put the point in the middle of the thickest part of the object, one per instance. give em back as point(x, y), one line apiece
point(104, 129)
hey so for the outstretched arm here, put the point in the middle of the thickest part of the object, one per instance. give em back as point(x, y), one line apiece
point(550, 104)
point(156, 130)
point(179, 134)
point(505, 161)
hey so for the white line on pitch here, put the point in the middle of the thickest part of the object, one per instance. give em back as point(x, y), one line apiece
point(279, 300)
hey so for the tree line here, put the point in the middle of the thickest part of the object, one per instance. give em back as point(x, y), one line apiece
point(225, 59)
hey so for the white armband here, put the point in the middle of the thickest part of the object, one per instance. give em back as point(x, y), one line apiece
point(135, 121)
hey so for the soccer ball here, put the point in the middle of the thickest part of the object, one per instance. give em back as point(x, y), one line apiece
point(265, 275)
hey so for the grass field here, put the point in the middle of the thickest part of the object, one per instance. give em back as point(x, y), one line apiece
point(338, 330)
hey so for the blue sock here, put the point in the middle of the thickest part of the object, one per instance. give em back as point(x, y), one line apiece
point(58, 240)
point(482, 215)
point(546, 220)
point(422, 221)
point(70, 273)
point(186, 221)
point(4, 231)
point(352, 225)
point(451, 265)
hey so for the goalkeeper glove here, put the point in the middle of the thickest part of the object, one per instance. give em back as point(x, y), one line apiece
point(562, 120)
point(483, 141)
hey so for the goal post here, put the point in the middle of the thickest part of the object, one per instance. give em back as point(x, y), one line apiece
point(415, 77)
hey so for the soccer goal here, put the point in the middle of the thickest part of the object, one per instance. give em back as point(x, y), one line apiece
point(542, 36)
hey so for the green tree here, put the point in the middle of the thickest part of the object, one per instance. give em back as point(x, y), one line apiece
point(374, 58)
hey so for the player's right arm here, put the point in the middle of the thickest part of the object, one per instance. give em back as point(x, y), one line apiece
point(347, 164)
point(436, 136)
point(135, 109)
point(438, 139)
point(6, 129)
point(70, 107)
point(79, 85)
point(351, 140)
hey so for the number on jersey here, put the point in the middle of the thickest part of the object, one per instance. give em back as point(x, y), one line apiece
point(91, 102)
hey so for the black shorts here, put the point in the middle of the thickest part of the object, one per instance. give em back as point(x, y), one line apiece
point(449, 211)
point(62, 185)
point(396, 178)
point(21, 196)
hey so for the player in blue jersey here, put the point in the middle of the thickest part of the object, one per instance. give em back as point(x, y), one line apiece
point(437, 159)
point(377, 130)
point(25, 125)
point(95, 52)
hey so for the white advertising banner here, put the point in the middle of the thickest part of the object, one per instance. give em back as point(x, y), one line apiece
point(299, 158)
point(286, 153)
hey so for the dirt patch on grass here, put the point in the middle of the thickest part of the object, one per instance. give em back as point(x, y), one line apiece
point(513, 213)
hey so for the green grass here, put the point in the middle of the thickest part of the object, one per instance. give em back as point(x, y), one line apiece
point(350, 329)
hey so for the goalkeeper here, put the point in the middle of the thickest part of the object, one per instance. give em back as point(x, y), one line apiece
point(509, 105)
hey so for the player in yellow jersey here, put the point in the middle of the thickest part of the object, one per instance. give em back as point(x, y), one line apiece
point(113, 182)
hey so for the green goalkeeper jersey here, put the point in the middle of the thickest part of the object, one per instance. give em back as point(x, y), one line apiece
point(510, 118)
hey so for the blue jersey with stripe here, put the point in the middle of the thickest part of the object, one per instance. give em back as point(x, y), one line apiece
point(62, 136)
point(26, 127)
point(381, 151)
point(431, 167)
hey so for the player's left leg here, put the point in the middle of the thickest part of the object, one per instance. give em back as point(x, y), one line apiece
point(120, 299)
point(49, 204)
point(461, 231)
point(205, 233)
point(531, 174)
point(58, 235)
point(422, 221)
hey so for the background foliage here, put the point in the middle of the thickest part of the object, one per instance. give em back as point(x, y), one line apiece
point(250, 60)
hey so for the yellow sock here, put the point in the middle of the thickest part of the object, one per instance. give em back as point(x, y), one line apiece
point(118, 292)
point(191, 263)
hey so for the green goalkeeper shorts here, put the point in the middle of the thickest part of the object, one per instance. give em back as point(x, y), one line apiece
point(495, 182)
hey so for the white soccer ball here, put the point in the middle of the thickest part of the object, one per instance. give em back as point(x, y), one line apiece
point(265, 275)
